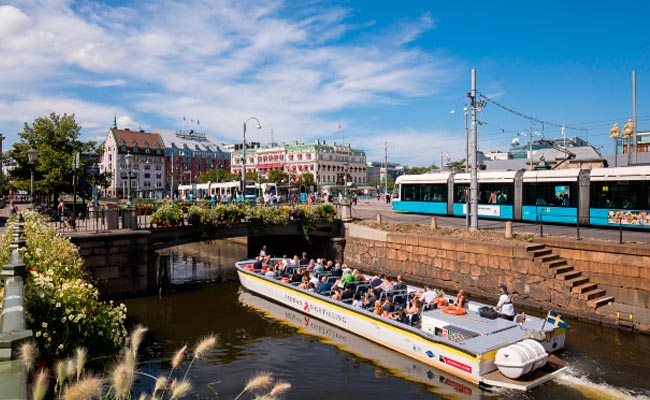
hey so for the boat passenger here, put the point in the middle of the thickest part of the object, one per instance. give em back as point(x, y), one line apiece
point(400, 316)
point(337, 293)
point(348, 292)
point(428, 296)
point(270, 273)
point(295, 261)
point(358, 276)
point(387, 284)
point(325, 285)
point(285, 261)
point(399, 284)
point(414, 307)
point(329, 265)
point(257, 265)
point(311, 287)
point(389, 302)
point(263, 252)
point(347, 276)
point(440, 300)
point(356, 300)
point(376, 281)
point(370, 298)
point(504, 307)
point(297, 275)
point(311, 266)
point(337, 271)
point(377, 310)
point(313, 279)
point(304, 261)
point(461, 298)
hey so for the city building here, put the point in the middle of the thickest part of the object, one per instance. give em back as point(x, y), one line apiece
point(328, 163)
point(188, 155)
point(375, 172)
point(147, 169)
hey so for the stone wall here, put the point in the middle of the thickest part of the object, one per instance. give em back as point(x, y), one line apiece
point(623, 270)
point(118, 263)
point(478, 267)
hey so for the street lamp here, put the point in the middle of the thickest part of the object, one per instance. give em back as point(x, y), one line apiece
point(243, 163)
point(32, 155)
point(129, 162)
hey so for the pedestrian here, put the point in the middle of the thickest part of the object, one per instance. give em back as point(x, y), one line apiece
point(60, 212)
point(13, 210)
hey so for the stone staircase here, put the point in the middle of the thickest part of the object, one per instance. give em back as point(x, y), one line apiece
point(577, 284)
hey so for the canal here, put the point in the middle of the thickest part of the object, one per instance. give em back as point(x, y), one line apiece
point(323, 362)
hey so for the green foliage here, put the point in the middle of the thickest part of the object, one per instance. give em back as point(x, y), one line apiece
point(277, 176)
point(420, 170)
point(55, 138)
point(218, 175)
point(206, 219)
point(169, 214)
point(62, 307)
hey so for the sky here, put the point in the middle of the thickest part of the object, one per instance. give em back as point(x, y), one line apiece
point(387, 73)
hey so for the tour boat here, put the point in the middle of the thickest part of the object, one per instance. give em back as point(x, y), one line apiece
point(397, 364)
point(489, 352)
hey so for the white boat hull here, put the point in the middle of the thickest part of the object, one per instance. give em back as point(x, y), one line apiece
point(426, 348)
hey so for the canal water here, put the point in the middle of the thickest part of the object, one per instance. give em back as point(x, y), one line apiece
point(323, 362)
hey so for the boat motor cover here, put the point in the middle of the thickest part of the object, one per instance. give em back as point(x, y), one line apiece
point(487, 312)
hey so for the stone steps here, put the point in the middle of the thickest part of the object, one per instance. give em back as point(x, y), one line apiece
point(541, 253)
point(549, 258)
point(584, 287)
point(579, 286)
point(593, 294)
point(573, 282)
point(600, 301)
point(560, 262)
point(564, 276)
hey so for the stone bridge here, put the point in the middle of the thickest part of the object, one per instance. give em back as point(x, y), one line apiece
point(124, 262)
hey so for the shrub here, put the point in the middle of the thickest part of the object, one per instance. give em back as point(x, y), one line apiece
point(62, 307)
point(169, 214)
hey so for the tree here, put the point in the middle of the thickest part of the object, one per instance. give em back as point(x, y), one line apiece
point(308, 179)
point(457, 164)
point(420, 170)
point(276, 176)
point(56, 138)
point(217, 175)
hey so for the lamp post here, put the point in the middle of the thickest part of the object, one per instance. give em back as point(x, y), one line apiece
point(32, 155)
point(615, 133)
point(128, 158)
point(243, 162)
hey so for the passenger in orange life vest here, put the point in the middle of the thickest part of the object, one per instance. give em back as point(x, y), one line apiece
point(440, 300)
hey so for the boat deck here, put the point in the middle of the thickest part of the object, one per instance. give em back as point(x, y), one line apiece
point(478, 334)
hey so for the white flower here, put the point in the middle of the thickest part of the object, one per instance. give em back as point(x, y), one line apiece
point(38, 334)
point(44, 325)
point(58, 304)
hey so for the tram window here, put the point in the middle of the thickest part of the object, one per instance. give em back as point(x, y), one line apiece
point(626, 195)
point(424, 192)
point(460, 193)
point(550, 194)
point(495, 193)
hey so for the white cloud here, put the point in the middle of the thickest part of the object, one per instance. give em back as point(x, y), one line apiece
point(219, 61)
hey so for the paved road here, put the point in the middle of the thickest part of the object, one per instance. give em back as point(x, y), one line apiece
point(368, 210)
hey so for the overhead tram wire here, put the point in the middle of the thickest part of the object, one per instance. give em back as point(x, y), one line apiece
point(532, 119)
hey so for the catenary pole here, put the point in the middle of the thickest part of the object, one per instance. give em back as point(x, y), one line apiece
point(473, 157)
